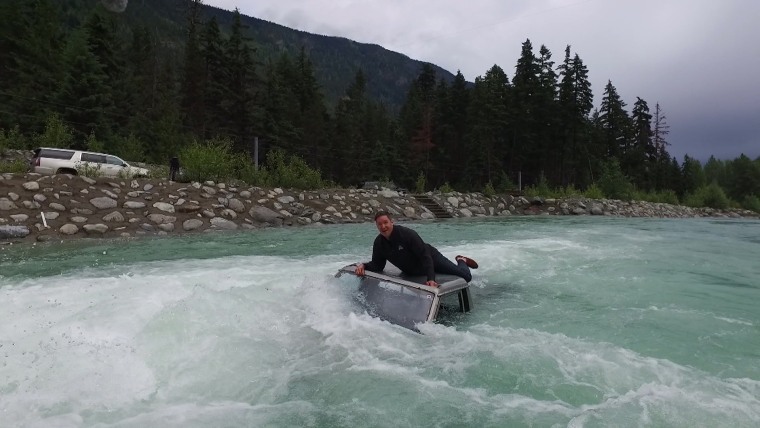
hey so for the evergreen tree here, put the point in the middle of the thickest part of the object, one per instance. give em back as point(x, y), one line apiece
point(143, 69)
point(241, 85)
point(548, 133)
point(575, 104)
point(417, 121)
point(489, 137)
point(31, 45)
point(84, 95)
point(349, 144)
point(692, 175)
point(743, 178)
point(214, 82)
point(614, 121)
point(193, 72)
point(313, 119)
point(166, 129)
point(637, 162)
point(453, 145)
point(660, 131)
point(103, 44)
point(280, 106)
point(525, 103)
point(715, 172)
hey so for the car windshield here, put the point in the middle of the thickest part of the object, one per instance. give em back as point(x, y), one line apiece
point(405, 306)
point(113, 160)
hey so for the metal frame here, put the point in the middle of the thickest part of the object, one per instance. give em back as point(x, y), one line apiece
point(448, 285)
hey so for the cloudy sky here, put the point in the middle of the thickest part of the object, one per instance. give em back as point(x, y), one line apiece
point(699, 59)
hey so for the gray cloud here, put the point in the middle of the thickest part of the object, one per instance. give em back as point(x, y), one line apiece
point(697, 58)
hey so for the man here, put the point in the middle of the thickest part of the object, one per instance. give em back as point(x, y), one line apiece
point(405, 249)
point(173, 168)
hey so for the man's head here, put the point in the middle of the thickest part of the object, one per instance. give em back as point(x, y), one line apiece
point(384, 223)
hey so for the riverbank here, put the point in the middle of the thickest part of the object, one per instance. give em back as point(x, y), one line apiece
point(36, 208)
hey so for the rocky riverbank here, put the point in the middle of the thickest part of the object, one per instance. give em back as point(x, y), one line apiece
point(44, 208)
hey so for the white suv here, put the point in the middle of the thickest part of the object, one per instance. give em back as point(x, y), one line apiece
point(67, 161)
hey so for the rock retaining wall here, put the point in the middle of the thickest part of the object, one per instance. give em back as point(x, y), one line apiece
point(43, 208)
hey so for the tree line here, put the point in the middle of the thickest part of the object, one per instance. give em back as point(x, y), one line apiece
point(99, 83)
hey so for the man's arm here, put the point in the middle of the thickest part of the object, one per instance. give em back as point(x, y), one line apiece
point(379, 258)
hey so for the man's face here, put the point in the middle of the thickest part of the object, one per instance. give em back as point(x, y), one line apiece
point(384, 226)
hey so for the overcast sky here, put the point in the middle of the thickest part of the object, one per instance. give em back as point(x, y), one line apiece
point(699, 59)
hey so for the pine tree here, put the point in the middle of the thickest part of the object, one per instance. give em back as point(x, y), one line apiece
point(489, 137)
point(526, 87)
point(280, 106)
point(103, 44)
point(313, 120)
point(575, 104)
point(84, 94)
point(743, 178)
point(349, 144)
point(193, 72)
point(214, 82)
point(660, 131)
point(417, 120)
point(31, 46)
point(692, 175)
point(166, 119)
point(454, 115)
point(548, 133)
point(614, 122)
point(638, 161)
point(241, 85)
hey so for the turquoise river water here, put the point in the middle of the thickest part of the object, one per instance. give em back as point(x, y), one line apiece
point(579, 322)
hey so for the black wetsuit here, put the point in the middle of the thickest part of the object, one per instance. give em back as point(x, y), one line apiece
point(408, 252)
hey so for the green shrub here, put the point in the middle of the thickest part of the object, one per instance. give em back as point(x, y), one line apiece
point(12, 139)
point(567, 192)
point(93, 144)
point(504, 184)
point(212, 160)
point(56, 134)
point(667, 197)
point(419, 186)
point(129, 148)
point(488, 190)
point(751, 202)
point(445, 188)
point(593, 192)
point(540, 189)
point(14, 166)
point(613, 183)
point(289, 171)
point(711, 196)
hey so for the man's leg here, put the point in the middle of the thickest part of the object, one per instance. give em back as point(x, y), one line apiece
point(441, 264)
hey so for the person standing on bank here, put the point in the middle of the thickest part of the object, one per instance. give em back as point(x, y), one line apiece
point(406, 250)
point(173, 168)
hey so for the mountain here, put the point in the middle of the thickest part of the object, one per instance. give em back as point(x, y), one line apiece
point(336, 59)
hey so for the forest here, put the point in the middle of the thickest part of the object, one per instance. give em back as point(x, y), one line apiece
point(75, 75)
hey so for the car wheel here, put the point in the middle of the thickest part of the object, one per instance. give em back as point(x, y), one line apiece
point(67, 171)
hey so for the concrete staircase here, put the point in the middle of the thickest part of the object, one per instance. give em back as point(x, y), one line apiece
point(429, 203)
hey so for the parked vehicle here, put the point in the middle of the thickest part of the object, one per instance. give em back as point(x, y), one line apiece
point(50, 161)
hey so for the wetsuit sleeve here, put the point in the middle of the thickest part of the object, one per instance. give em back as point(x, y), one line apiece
point(420, 249)
point(377, 264)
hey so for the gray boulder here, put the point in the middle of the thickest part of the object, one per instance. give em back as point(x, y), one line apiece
point(13, 232)
point(265, 215)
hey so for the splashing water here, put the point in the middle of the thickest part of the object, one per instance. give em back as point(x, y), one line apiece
point(576, 322)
